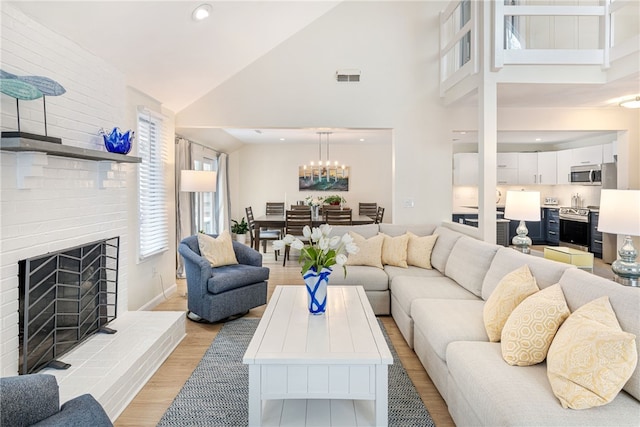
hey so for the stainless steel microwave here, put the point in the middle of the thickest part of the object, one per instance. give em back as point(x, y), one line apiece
point(586, 175)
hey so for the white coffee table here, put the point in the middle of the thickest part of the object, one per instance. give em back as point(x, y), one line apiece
point(328, 369)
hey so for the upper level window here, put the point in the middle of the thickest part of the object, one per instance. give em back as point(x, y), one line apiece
point(153, 218)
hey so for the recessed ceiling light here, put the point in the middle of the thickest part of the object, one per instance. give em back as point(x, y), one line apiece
point(281, 139)
point(361, 139)
point(463, 133)
point(631, 102)
point(201, 12)
point(538, 139)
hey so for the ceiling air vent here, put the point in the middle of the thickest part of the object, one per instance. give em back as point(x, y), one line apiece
point(348, 76)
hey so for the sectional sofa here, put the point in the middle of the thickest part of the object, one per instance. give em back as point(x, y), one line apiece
point(439, 312)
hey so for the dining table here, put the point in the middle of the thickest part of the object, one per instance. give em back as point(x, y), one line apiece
point(278, 222)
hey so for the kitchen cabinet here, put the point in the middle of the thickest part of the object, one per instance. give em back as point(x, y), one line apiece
point(507, 168)
point(547, 168)
point(537, 168)
point(595, 244)
point(465, 169)
point(527, 168)
point(563, 162)
point(586, 155)
point(552, 226)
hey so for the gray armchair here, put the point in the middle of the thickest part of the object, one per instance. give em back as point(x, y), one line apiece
point(34, 399)
point(216, 293)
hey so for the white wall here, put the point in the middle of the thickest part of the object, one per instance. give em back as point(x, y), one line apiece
point(66, 206)
point(394, 44)
point(269, 172)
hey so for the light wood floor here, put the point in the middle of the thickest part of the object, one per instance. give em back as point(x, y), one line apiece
point(153, 400)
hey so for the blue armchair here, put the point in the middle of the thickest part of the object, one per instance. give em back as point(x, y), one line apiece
point(217, 293)
point(34, 399)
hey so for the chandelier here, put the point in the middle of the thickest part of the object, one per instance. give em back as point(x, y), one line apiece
point(324, 170)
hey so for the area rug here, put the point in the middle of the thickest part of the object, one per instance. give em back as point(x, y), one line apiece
point(216, 394)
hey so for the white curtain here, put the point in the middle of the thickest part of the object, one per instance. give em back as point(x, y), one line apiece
point(183, 200)
point(222, 195)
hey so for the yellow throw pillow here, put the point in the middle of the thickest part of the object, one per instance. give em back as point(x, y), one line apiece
point(511, 291)
point(394, 250)
point(419, 250)
point(218, 251)
point(530, 328)
point(591, 358)
point(369, 250)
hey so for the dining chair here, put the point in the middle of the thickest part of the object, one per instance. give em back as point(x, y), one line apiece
point(368, 209)
point(379, 215)
point(275, 208)
point(295, 221)
point(339, 216)
point(264, 233)
point(301, 208)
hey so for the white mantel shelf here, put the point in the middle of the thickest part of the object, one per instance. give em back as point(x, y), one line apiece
point(53, 149)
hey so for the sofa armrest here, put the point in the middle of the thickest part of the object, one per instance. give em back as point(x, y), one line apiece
point(79, 412)
point(247, 255)
point(28, 399)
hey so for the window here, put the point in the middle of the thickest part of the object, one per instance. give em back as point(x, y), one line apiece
point(153, 217)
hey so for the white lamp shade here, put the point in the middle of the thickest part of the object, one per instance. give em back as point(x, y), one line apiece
point(522, 205)
point(197, 181)
point(620, 212)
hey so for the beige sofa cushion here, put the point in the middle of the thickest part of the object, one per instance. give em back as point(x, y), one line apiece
point(591, 357)
point(530, 328)
point(468, 262)
point(580, 287)
point(370, 278)
point(407, 289)
point(442, 249)
point(511, 291)
point(545, 271)
point(503, 395)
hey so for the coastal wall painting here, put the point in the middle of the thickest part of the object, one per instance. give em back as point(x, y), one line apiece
point(324, 178)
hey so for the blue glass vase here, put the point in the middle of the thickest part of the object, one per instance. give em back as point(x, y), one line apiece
point(316, 284)
point(116, 141)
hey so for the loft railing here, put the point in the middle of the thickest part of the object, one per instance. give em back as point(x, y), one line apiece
point(532, 33)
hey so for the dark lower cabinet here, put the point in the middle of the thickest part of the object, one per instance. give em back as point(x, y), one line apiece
point(552, 220)
point(595, 244)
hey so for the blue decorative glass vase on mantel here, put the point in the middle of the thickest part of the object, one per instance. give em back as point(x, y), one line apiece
point(316, 284)
point(116, 141)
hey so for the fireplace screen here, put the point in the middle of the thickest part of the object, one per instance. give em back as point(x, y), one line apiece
point(65, 297)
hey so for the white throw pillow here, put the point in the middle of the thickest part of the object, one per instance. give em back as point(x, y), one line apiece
point(218, 251)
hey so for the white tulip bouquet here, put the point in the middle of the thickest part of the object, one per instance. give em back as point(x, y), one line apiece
point(322, 251)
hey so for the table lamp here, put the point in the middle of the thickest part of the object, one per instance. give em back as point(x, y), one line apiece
point(620, 214)
point(522, 206)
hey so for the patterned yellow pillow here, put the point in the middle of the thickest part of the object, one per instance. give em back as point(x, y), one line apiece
point(530, 328)
point(394, 250)
point(591, 358)
point(419, 250)
point(369, 250)
point(218, 251)
point(511, 291)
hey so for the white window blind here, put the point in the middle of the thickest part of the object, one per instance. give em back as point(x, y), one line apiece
point(153, 217)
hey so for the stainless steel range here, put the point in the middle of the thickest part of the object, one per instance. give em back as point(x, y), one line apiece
point(574, 228)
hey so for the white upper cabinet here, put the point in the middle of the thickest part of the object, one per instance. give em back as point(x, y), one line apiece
point(527, 168)
point(507, 164)
point(586, 155)
point(547, 168)
point(564, 161)
point(465, 169)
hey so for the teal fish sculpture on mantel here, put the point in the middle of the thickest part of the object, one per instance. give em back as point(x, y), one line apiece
point(29, 88)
